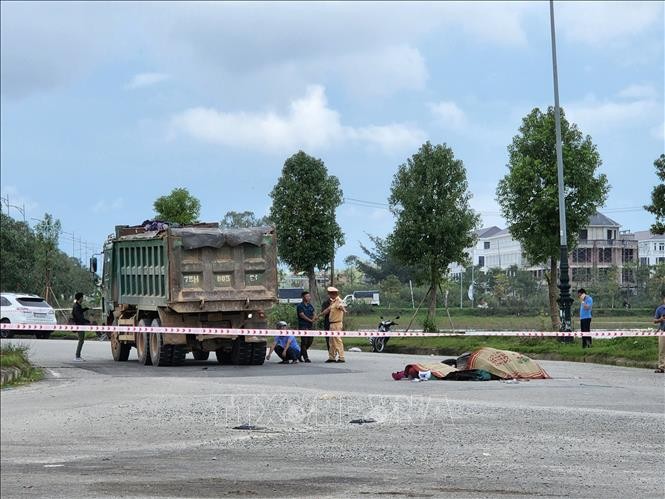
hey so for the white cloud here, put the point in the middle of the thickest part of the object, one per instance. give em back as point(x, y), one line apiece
point(637, 91)
point(103, 206)
point(146, 79)
point(309, 124)
point(449, 114)
point(600, 23)
point(594, 115)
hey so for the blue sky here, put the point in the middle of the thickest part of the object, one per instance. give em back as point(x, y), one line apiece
point(105, 107)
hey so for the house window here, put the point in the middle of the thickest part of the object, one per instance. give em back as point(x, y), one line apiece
point(660, 259)
point(627, 276)
point(628, 255)
point(486, 245)
point(644, 260)
point(609, 235)
point(582, 255)
point(481, 261)
point(661, 246)
point(584, 235)
point(582, 275)
point(605, 255)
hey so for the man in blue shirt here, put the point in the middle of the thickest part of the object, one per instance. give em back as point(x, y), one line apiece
point(305, 313)
point(286, 346)
point(659, 318)
point(586, 304)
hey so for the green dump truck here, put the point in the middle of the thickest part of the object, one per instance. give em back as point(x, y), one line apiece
point(192, 276)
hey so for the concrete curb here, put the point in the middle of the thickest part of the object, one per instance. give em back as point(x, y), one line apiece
point(9, 374)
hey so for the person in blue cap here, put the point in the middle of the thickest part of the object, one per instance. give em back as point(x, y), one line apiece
point(285, 346)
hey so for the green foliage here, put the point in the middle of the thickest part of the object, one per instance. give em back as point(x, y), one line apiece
point(16, 356)
point(243, 219)
point(382, 263)
point(434, 226)
point(282, 312)
point(429, 325)
point(304, 201)
point(178, 207)
point(31, 259)
point(390, 288)
point(657, 206)
point(528, 194)
point(17, 264)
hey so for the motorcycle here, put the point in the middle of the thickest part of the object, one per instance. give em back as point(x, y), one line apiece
point(379, 342)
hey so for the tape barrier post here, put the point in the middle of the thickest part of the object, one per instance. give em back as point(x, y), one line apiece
point(315, 333)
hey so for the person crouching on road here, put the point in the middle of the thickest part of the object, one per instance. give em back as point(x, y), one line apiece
point(286, 347)
point(79, 319)
point(336, 311)
point(305, 311)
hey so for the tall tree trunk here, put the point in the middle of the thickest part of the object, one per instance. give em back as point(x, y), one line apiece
point(313, 288)
point(553, 294)
point(431, 310)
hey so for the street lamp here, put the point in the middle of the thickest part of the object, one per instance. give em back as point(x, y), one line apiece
point(565, 300)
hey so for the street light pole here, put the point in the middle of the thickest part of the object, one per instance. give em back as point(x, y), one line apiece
point(565, 300)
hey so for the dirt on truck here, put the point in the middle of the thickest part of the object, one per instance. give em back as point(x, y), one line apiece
point(190, 276)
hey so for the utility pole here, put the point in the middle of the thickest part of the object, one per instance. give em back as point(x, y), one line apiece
point(565, 300)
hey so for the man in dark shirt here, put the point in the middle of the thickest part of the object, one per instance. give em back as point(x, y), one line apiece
point(78, 317)
point(326, 320)
point(305, 313)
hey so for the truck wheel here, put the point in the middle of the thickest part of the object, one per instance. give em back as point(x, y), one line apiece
point(142, 346)
point(258, 353)
point(241, 354)
point(178, 355)
point(6, 333)
point(200, 355)
point(120, 351)
point(224, 357)
point(161, 354)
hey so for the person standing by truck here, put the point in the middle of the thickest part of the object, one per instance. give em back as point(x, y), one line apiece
point(305, 312)
point(78, 318)
point(336, 309)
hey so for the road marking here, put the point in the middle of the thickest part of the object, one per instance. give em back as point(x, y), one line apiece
point(54, 373)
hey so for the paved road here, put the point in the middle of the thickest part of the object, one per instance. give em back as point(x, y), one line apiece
point(105, 429)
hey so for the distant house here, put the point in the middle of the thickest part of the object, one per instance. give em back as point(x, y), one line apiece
point(289, 295)
point(651, 247)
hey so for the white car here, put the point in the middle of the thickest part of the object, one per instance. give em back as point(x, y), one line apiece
point(22, 308)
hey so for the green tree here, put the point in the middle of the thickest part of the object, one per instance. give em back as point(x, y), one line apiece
point(528, 194)
point(390, 288)
point(381, 263)
point(242, 219)
point(17, 257)
point(434, 223)
point(304, 201)
point(47, 234)
point(178, 207)
point(657, 206)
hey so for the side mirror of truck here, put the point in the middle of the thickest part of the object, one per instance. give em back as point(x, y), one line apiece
point(93, 264)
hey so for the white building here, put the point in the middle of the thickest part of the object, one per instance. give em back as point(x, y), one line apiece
point(651, 247)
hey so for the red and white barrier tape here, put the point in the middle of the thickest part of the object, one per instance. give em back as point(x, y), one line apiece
point(348, 334)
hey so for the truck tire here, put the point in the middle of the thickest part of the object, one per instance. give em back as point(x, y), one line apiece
point(241, 354)
point(6, 333)
point(258, 353)
point(200, 355)
point(224, 357)
point(161, 354)
point(142, 345)
point(120, 351)
point(178, 355)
